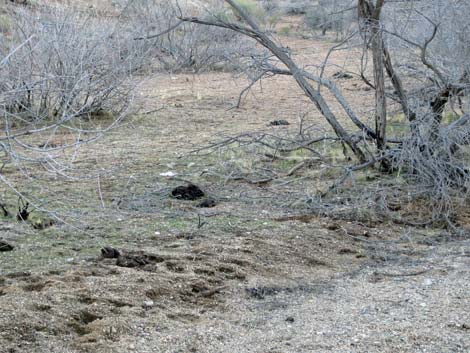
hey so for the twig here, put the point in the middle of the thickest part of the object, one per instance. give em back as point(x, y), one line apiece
point(409, 274)
point(100, 193)
point(161, 33)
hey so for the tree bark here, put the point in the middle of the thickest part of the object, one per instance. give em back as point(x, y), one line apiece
point(371, 25)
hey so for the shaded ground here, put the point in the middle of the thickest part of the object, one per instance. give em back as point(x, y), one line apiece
point(247, 275)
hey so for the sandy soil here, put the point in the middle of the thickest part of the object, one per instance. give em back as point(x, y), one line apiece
point(256, 277)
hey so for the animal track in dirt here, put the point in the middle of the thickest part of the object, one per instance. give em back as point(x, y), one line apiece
point(205, 271)
point(175, 266)
point(129, 258)
point(183, 317)
point(80, 321)
point(33, 283)
point(21, 274)
point(262, 292)
point(42, 307)
point(34, 287)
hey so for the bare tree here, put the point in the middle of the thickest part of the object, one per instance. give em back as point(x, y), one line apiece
point(408, 42)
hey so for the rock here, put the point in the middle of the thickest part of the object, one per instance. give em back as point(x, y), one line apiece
point(148, 304)
point(428, 282)
point(333, 226)
point(132, 261)
point(344, 251)
point(342, 75)
point(189, 192)
point(207, 203)
point(42, 224)
point(169, 174)
point(4, 246)
point(110, 253)
point(279, 122)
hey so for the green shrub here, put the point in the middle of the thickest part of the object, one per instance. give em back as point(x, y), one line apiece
point(5, 24)
point(252, 8)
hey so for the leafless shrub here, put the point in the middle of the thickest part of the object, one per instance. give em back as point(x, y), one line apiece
point(413, 56)
point(435, 163)
point(290, 7)
point(70, 66)
point(337, 16)
point(185, 46)
point(64, 74)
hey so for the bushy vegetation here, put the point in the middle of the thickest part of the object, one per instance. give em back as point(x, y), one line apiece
point(177, 46)
point(335, 16)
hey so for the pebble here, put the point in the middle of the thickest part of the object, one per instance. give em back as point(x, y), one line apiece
point(427, 282)
point(148, 304)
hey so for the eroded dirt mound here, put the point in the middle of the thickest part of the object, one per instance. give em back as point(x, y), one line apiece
point(289, 290)
point(98, 305)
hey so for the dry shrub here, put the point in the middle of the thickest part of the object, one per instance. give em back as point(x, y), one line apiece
point(187, 46)
point(67, 77)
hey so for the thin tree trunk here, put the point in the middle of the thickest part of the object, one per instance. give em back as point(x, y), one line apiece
point(379, 77)
point(370, 13)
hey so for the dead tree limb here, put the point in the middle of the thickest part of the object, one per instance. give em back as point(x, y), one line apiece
point(314, 95)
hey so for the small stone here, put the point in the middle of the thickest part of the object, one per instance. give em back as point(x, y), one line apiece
point(332, 226)
point(280, 122)
point(290, 319)
point(110, 253)
point(4, 246)
point(342, 75)
point(169, 174)
point(207, 203)
point(148, 304)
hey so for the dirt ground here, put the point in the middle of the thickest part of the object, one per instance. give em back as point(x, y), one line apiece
point(255, 273)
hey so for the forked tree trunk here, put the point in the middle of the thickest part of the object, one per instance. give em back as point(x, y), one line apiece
point(370, 15)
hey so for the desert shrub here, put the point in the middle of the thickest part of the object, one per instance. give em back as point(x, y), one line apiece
point(62, 73)
point(253, 9)
point(294, 7)
point(189, 46)
point(315, 19)
point(330, 16)
point(434, 161)
point(66, 65)
point(5, 23)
